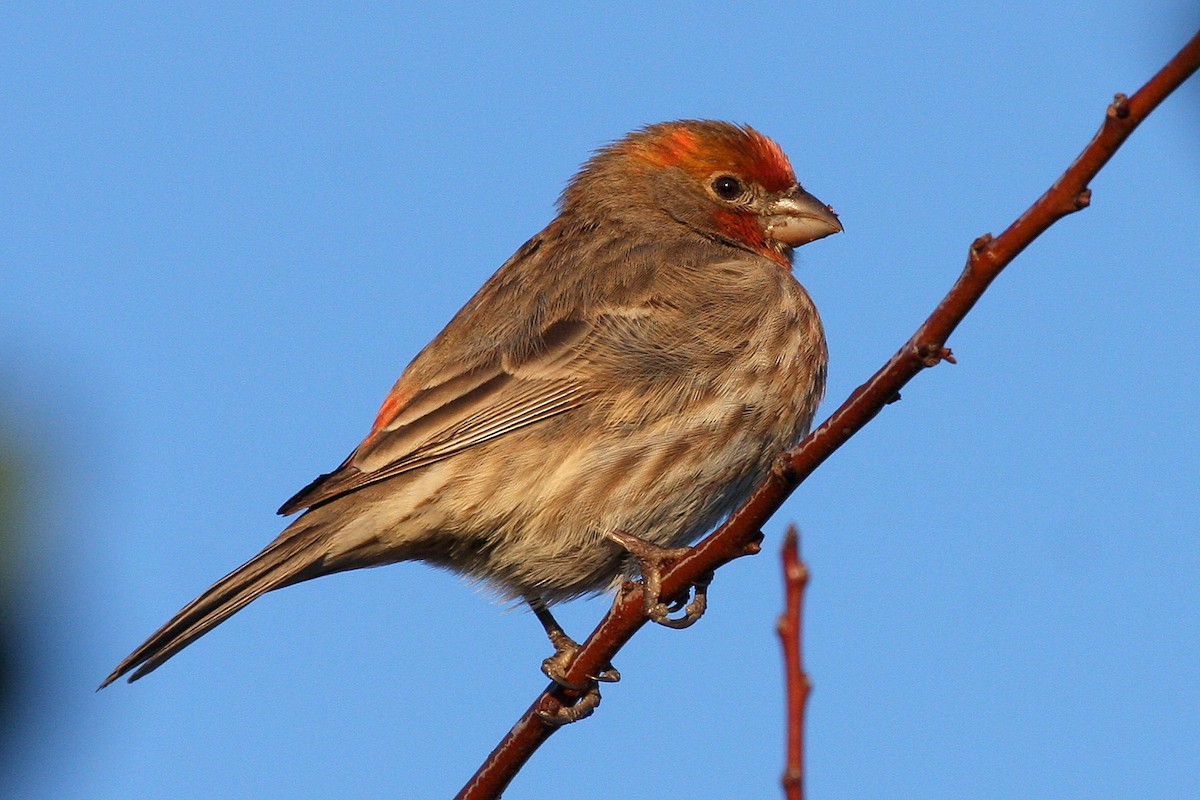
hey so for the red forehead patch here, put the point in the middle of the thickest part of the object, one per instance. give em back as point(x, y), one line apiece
point(703, 147)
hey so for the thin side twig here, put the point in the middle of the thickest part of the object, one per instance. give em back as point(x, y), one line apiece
point(740, 534)
point(796, 682)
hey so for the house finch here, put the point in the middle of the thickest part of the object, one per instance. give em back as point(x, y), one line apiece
point(617, 387)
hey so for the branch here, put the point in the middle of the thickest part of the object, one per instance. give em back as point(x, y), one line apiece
point(740, 535)
point(795, 581)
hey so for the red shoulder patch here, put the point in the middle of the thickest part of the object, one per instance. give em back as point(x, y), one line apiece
point(395, 402)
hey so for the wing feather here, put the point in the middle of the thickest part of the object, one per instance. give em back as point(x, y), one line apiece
point(453, 415)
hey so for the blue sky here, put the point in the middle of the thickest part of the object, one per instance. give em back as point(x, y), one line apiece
point(225, 230)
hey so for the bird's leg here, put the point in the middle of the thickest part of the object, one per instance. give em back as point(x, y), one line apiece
point(565, 648)
point(652, 558)
point(555, 668)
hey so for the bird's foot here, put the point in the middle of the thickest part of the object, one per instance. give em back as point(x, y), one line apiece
point(565, 650)
point(653, 559)
point(555, 668)
point(565, 715)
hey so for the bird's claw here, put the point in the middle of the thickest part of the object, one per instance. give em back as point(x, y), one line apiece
point(652, 559)
point(565, 650)
point(555, 668)
point(693, 609)
point(565, 715)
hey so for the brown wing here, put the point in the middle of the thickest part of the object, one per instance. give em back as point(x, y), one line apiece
point(462, 409)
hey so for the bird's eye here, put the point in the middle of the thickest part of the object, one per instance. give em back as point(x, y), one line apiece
point(727, 187)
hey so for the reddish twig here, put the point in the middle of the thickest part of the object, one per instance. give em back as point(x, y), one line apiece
point(797, 684)
point(740, 534)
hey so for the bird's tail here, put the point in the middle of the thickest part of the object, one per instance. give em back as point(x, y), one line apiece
point(301, 552)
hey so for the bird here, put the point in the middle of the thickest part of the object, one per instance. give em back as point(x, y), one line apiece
point(609, 395)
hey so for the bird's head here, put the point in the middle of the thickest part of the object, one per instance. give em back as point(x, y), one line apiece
point(727, 182)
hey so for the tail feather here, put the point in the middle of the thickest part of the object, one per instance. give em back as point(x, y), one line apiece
point(297, 555)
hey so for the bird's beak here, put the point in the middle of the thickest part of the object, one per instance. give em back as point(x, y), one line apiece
point(798, 218)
